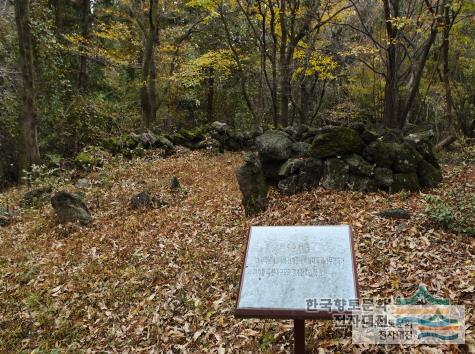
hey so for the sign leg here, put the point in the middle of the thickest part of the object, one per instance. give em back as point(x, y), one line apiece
point(299, 336)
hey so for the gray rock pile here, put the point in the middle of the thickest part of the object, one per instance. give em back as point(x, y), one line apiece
point(216, 137)
point(295, 159)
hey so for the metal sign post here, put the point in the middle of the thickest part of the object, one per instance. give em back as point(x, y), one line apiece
point(299, 336)
point(287, 267)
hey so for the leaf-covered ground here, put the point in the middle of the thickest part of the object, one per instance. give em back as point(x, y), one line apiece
point(165, 280)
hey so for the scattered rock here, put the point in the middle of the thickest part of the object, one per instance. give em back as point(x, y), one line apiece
point(335, 174)
point(145, 200)
point(336, 141)
point(253, 186)
point(174, 183)
point(36, 197)
point(274, 145)
point(70, 207)
point(141, 200)
point(397, 213)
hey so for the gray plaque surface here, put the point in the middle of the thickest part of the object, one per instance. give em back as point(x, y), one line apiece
point(286, 265)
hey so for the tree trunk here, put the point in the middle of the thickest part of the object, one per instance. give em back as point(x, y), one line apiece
point(210, 95)
point(59, 15)
point(418, 76)
point(283, 67)
point(148, 92)
point(446, 70)
point(29, 152)
point(391, 90)
point(86, 13)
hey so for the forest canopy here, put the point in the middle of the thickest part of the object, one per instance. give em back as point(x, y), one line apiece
point(73, 73)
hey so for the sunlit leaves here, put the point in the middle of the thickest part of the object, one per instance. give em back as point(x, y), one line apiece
point(196, 70)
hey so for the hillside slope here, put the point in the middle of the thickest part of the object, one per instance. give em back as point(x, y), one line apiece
point(166, 278)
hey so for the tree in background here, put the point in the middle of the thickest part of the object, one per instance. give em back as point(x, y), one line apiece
point(29, 151)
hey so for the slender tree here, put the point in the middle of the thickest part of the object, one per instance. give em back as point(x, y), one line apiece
point(411, 29)
point(29, 152)
point(86, 18)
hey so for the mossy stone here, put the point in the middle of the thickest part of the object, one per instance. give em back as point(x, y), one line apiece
point(406, 159)
point(429, 176)
point(336, 141)
point(381, 153)
point(405, 181)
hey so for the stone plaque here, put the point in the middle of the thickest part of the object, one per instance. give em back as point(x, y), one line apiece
point(287, 266)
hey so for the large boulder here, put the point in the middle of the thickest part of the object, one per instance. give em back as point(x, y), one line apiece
point(336, 141)
point(359, 166)
point(405, 181)
point(429, 176)
point(274, 145)
point(335, 174)
point(297, 175)
point(253, 186)
point(70, 207)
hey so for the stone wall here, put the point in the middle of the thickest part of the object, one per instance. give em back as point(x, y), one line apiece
point(354, 157)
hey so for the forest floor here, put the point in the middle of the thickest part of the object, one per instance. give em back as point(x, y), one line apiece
point(166, 279)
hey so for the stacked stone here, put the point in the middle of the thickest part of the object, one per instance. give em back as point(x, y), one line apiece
point(354, 158)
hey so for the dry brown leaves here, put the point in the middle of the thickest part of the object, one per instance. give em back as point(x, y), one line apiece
point(165, 280)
